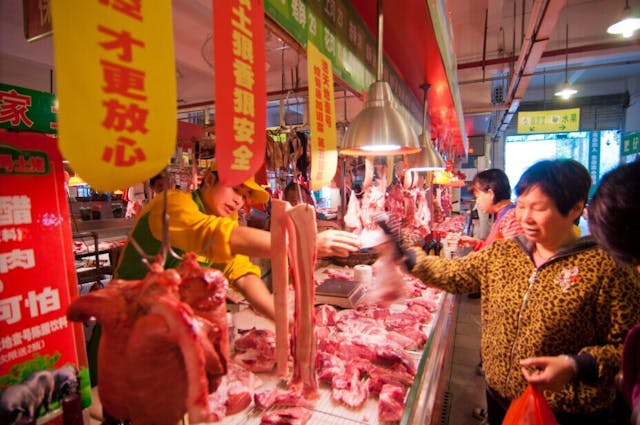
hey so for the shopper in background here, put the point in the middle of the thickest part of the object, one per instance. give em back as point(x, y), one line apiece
point(295, 193)
point(492, 191)
point(614, 222)
point(555, 308)
point(135, 200)
point(158, 184)
point(206, 222)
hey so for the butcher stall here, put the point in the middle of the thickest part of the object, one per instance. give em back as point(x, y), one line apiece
point(424, 399)
point(374, 365)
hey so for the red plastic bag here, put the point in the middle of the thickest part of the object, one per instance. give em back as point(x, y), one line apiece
point(531, 408)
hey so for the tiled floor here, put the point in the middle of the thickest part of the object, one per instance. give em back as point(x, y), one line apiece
point(466, 387)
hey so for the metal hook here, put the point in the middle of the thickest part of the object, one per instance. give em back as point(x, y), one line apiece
point(165, 247)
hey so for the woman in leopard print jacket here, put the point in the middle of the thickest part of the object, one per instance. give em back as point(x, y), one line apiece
point(555, 308)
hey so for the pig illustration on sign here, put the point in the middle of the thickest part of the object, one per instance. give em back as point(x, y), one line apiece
point(24, 400)
point(66, 382)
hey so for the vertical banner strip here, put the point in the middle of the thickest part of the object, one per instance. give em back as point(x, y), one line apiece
point(324, 153)
point(38, 278)
point(116, 87)
point(241, 94)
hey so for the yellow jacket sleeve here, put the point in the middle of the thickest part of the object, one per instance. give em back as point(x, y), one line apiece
point(191, 229)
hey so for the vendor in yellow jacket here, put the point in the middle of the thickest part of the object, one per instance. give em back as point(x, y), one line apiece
point(206, 222)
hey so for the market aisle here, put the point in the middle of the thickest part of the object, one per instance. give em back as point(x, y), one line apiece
point(466, 387)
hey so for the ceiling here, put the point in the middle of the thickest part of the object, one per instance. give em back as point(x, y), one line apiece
point(532, 44)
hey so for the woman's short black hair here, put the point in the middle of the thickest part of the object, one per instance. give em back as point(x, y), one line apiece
point(565, 181)
point(614, 213)
point(496, 180)
point(294, 190)
point(155, 178)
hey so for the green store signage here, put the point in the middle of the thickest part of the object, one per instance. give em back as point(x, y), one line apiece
point(340, 34)
point(27, 110)
point(630, 143)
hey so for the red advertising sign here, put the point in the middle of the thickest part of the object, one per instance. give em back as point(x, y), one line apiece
point(37, 19)
point(240, 88)
point(37, 273)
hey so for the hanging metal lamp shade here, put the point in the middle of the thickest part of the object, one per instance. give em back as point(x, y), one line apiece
point(628, 24)
point(428, 159)
point(379, 129)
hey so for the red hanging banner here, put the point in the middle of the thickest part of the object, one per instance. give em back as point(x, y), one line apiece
point(240, 88)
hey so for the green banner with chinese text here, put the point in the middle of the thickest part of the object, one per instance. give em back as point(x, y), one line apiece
point(339, 33)
point(630, 143)
point(27, 110)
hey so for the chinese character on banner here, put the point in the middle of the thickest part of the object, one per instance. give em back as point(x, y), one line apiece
point(324, 153)
point(241, 95)
point(38, 279)
point(121, 128)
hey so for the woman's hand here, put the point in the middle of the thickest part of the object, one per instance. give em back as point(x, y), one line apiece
point(548, 373)
point(468, 241)
point(336, 243)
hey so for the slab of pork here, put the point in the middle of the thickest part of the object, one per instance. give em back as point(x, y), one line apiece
point(164, 346)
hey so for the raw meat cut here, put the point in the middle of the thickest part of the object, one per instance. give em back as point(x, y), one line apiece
point(256, 350)
point(352, 218)
point(280, 282)
point(289, 416)
point(304, 379)
point(326, 315)
point(390, 403)
point(163, 347)
point(234, 393)
point(277, 397)
point(339, 274)
point(349, 388)
point(388, 285)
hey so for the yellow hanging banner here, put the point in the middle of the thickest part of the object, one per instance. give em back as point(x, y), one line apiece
point(324, 152)
point(116, 88)
point(554, 121)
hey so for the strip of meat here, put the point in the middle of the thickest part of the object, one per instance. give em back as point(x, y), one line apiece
point(279, 281)
point(304, 357)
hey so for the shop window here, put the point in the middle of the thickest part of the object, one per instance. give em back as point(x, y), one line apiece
point(598, 151)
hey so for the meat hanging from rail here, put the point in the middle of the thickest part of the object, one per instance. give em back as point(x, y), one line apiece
point(164, 344)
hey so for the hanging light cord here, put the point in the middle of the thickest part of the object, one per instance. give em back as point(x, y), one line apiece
point(566, 55)
point(425, 87)
point(380, 53)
